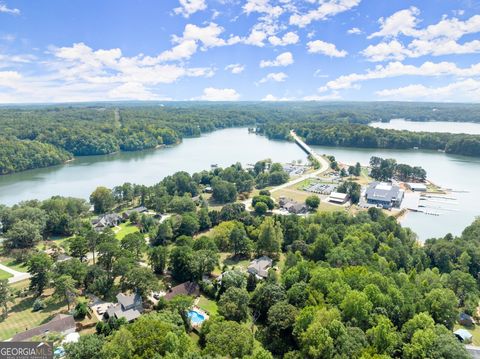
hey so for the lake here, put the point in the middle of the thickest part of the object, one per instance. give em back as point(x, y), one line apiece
point(81, 176)
point(437, 126)
point(448, 171)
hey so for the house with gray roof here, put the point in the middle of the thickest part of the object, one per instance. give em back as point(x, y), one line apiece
point(108, 220)
point(141, 209)
point(128, 306)
point(260, 267)
point(384, 195)
point(61, 323)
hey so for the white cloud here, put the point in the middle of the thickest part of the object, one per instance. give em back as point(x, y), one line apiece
point(402, 22)
point(326, 9)
point(392, 50)
point(289, 38)
point(193, 35)
point(189, 7)
point(322, 47)
point(262, 6)
point(235, 68)
point(274, 76)
point(9, 79)
point(332, 96)
point(183, 50)
point(209, 35)
point(273, 98)
point(132, 91)
point(436, 39)
point(463, 90)
point(8, 10)
point(80, 73)
point(397, 69)
point(219, 94)
point(283, 59)
point(255, 38)
point(354, 31)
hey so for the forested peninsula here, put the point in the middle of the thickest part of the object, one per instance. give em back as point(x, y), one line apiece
point(41, 136)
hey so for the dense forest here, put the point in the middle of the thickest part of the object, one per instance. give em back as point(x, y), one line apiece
point(355, 135)
point(55, 133)
point(343, 286)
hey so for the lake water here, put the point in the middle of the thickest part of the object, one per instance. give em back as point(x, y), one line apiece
point(437, 126)
point(80, 177)
point(454, 172)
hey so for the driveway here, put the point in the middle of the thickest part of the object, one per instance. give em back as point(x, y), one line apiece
point(17, 276)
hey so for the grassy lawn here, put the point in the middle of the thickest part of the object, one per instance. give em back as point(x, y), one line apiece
point(207, 305)
point(11, 263)
point(4, 275)
point(329, 207)
point(294, 194)
point(475, 331)
point(125, 228)
point(21, 317)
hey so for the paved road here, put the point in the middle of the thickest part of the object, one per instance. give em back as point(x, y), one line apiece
point(324, 166)
point(17, 276)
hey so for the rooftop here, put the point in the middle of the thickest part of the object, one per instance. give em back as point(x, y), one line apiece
point(187, 288)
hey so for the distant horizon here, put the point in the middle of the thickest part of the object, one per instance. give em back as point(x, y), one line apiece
point(159, 102)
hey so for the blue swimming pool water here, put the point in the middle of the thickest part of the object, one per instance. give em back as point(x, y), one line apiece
point(195, 317)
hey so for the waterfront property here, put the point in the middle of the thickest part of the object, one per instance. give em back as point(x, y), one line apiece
point(417, 187)
point(384, 195)
point(129, 306)
point(61, 323)
point(108, 220)
point(260, 266)
point(141, 209)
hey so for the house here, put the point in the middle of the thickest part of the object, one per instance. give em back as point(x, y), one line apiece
point(292, 207)
point(337, 197)
point(417, 187)
point(108, 220)
point(141, 209)
point(61, 323)
point(463, 335)
point(465, 319)
point(187, 288)
point(384, 195)
point(129, 307)
point(260, 267)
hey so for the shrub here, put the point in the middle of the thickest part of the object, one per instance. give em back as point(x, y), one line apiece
point(38, 304)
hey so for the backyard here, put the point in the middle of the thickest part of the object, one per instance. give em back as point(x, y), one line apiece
point(124, 229)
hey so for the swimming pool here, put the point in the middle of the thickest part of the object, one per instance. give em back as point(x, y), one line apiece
point(195, 317)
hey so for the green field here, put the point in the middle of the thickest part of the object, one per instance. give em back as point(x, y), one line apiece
point(21, 317)
point(5, 275)
point(208, 305)
point(125, 228)
point(11, 263)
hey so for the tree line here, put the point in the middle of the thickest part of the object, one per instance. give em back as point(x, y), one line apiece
point(93, 129)
point(343, 286)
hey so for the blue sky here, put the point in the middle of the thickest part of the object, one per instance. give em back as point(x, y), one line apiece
point(90, 50)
